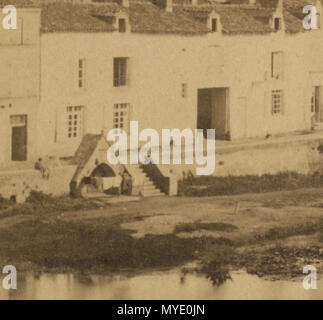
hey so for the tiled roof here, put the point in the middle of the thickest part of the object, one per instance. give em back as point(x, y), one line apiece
point(85, 149)
point(17, 3)
point(240, 19)
point(66, 17)
point(147, 18)
point(237, 17)
point(144, 17)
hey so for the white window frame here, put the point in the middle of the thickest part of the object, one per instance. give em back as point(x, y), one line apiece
point(75, 122)
point(121, 116)
point(277, 65)
point(277, 102)
point(81, 73)
point(119, 79)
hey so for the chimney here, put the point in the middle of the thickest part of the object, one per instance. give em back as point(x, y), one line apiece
point(125, 3)
point(252, 1)
point(280, 5)
point(194, 2)
point(169, 5)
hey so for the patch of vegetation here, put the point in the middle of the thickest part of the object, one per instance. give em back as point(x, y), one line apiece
point(215, 264)
point(101, 246)
point(278, 233)
point(282, 261)
point(213, 186)
point(39, 203)
point(196, 226)
point(4, 203)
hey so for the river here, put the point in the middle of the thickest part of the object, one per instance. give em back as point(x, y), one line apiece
point(156, 285)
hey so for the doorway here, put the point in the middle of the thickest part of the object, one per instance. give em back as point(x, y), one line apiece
point(212, 111)
point(18, 137)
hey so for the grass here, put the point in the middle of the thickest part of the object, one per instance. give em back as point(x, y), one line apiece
point(212, 226)
point(48, 243)
point(102, 246)
point(278, 233)
point(215, 264)
point(278, 260)
point(39, 203)
point(213, 186)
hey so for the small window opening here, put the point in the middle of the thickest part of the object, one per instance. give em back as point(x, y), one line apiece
point(214, 25)
point(277, 23)
point(122, 25)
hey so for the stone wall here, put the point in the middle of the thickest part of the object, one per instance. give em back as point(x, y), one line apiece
point(21, 182)
point(299, 155)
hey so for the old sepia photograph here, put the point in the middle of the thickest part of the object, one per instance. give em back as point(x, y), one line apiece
point(161, 150)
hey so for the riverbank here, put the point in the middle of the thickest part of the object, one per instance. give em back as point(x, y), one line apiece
point(269, 234)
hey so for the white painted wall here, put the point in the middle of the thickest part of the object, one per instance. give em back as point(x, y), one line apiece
point(19, 80)
point(158, 66)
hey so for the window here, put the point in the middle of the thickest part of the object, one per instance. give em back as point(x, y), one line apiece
point(277, 23)
point(318, 20)
point(277, 65)
point(122, 25)
point(214, 25)
point(184, 90)
point(120, 72)
point(81, 73)
point(276, 102)
point(74, 122)
point(18, 120)
point(121, 116)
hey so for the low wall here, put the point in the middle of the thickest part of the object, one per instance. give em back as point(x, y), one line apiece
point(301, 156)
point(21, 182)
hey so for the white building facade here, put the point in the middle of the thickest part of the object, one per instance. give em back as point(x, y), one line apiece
point(245, 70)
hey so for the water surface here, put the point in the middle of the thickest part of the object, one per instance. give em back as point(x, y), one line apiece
point(156, 285)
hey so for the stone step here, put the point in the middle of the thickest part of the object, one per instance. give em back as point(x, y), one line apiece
point(151, 193)
point(150, 189)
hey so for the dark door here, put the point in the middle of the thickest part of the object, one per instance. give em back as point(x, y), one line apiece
point(19, 143)
point(212, 111)
point(204, 113)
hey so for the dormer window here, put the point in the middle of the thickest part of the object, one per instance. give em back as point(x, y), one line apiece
point(214, 25)
point(277, 24)
point(122, 25)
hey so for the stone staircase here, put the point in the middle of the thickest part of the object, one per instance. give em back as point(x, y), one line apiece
point(149, 188)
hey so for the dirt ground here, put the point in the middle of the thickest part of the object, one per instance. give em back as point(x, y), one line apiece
point(286, 223)
point(252, 214)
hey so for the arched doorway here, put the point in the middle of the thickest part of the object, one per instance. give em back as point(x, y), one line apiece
point(103, 179)
point(103, 170)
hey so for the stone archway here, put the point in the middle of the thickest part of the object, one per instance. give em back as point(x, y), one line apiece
point(103, 170)
point(91, 159)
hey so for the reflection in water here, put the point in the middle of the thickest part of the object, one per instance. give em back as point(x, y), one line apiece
point(156, 285)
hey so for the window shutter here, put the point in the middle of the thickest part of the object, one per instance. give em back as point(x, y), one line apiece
point(127, 71)
point(115, 71)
